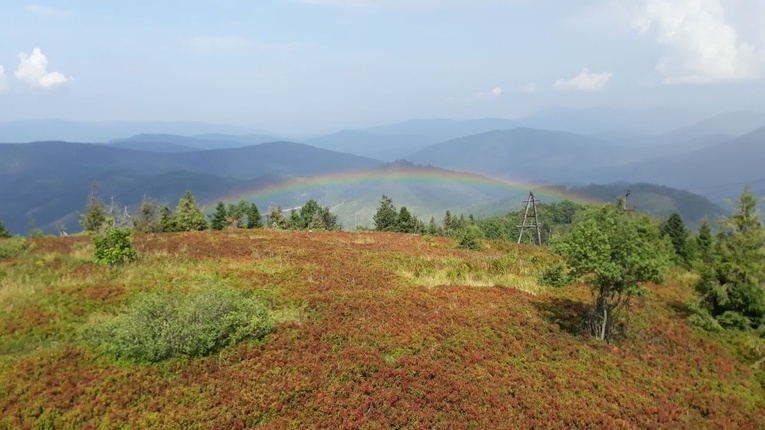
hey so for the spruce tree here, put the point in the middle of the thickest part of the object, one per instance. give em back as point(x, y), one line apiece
point(732, 284)
point(704, 240)
point(94, 218)
point(674, 228)
point(386, 217)
point(147, 217)
point(188, 215)
point(166, 219)
point(218, 218)
point(406, 222)
point(253, 217)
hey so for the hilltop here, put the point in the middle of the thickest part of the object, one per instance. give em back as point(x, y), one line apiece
point(372, 330)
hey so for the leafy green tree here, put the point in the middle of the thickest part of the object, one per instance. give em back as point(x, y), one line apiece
point(731, 284)
point(4, 234)
point(218, 218)
point(674, 228)
point(294, 221)
point(93, 219)
point(386, 217)
point(147, 217)
point(616, 252)
point(188, 215)
point(253, 217)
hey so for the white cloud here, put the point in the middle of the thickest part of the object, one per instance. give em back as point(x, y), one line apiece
point(45, 10)
point(3, 82)
point(33, 69)
point(487, 95)
point(702, 46)
point(529, 88)
point(494, 93)
point(585, 81)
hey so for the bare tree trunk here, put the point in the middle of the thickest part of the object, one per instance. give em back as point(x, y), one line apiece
point(605, 323)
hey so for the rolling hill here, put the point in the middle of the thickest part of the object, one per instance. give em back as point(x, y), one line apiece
point(372, 330)
point(535, 155)
point(175, 143)
point(719, 171)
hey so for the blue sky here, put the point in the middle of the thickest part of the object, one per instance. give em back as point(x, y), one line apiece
point(321, 65)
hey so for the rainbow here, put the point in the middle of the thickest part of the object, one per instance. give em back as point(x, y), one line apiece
point(408, 173)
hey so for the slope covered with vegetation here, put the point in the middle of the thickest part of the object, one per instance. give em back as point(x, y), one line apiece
point(370, 330)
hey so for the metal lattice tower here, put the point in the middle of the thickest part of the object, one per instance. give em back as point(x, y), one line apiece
point(531, 203)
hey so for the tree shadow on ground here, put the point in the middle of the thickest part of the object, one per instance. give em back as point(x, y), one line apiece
point(569, 315)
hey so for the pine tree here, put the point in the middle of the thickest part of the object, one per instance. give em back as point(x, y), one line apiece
point(732, 284)
point(448, 223)
point(235, 214)
point(406, 222)
point(147, 217)
point(188, 215)
point(94, 218)
point(253, 217)
point(386, 216)
point(307, 212)
point(166, 219)
point(218, 218)
point(704, 240)
point(674, 228)
point(433, 228)
point(275, 218)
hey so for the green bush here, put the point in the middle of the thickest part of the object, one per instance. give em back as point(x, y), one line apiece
point(555, 277)
point(470, 237)
point(114, 248)
point(159, 326)
point(12, 247)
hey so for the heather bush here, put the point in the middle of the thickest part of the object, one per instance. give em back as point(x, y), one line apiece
point(159, 326)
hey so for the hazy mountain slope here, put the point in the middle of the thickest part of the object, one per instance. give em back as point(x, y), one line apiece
point(709, 169)
point(175, 143)
point(103, 131)
point(529, 154)
point(49, 180)
point(658, 200)
point(732, 124)
point(387, 147)
point(443, 129)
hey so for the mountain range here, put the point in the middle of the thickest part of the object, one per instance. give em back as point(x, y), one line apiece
point(49, 181)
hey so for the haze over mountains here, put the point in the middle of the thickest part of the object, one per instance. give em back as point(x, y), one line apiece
point(49, 181)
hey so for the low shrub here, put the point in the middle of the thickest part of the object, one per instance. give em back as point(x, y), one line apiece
point(159, 326)
point(470, 237)
point(12, 247)
point(114, 248)
point(555, 277)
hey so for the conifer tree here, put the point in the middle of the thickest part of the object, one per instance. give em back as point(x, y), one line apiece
point(732, 285)
point(235, 214)
point(94, 218)
point(674, 228)
point(147, 217)
point(218, 218)
point(166, 219)
point(386, 217)
point(406, 222)
point(704, 240)
point(253, 217)
point(188, 215)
